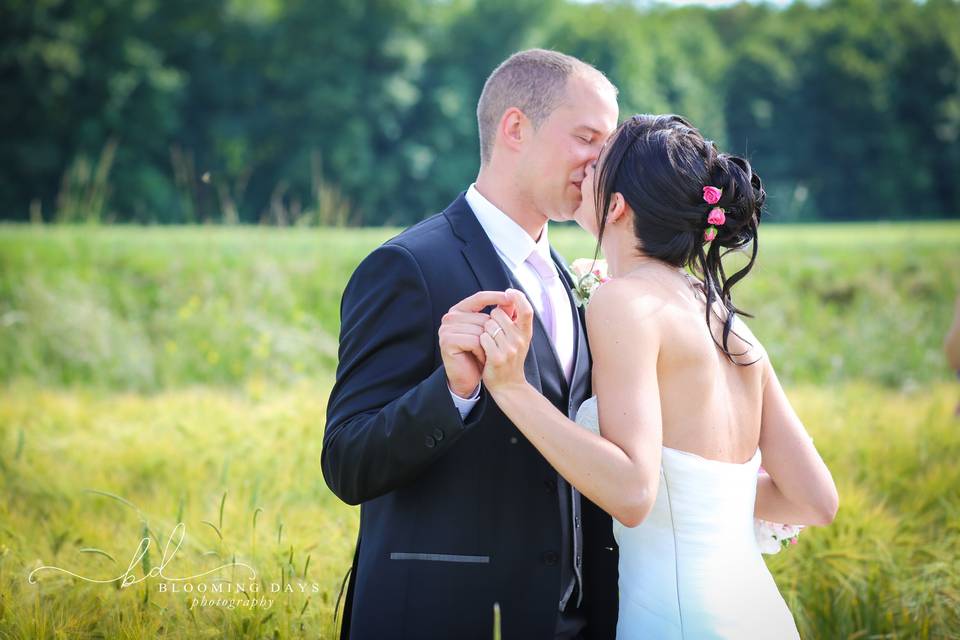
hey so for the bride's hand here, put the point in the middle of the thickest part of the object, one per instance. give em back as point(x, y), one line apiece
point(506, 340)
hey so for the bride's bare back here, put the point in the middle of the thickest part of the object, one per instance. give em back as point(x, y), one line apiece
point(661, 378)
point(710, 406)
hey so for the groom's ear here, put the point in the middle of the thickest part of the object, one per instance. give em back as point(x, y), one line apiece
point(513, 128)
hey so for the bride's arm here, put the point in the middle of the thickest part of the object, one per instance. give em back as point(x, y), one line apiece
point(618, 471)
point(799, 488)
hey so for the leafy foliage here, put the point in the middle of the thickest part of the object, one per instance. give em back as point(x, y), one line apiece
point(364, 112)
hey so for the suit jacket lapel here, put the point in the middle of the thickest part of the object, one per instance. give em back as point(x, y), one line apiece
point(477, 248)
point(491, 273)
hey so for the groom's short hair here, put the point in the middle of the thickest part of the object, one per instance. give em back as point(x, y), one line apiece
point(533, 81)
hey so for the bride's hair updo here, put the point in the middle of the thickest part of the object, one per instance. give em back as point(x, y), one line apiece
point(660, 164)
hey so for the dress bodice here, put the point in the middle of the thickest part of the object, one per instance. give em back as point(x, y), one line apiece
point(692, 568)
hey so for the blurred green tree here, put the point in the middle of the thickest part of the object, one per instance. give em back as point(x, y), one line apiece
point(332, 111)
point(76, 75)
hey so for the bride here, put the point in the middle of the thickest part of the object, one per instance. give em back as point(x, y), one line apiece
point(687, 401)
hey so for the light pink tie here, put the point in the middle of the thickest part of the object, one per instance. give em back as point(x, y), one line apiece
point(548, 275)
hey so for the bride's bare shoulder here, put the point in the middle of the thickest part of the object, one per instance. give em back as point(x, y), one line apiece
point(624, 301)
point(625, 328)
point(747, 346)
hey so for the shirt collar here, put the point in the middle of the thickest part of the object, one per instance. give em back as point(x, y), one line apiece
point(509, 238)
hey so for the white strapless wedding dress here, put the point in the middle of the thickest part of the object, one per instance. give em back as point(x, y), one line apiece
point(692, 569)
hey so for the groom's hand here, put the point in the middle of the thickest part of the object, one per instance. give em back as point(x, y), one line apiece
point(460, 329)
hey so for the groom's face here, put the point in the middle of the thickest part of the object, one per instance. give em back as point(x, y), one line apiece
point(567, 142)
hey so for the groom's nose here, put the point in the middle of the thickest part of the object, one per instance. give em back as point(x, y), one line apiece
point(594, 156)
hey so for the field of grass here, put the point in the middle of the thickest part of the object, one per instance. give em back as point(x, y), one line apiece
point(153, 376)
point(152, 308)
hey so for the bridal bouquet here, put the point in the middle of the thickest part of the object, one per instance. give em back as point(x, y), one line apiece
point(772, 536)
point(588, 274)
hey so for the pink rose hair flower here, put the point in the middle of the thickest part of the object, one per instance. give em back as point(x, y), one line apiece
point(711, 195)
point(717, 216)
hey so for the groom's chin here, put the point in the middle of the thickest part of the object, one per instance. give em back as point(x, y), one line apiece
point(568, 214)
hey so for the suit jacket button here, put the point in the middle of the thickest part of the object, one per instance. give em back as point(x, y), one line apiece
point(513, 439)
point(430, 442)
point(550, 558)
point(438, 434)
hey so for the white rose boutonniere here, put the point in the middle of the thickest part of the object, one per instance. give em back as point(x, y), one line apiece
point(588, 274)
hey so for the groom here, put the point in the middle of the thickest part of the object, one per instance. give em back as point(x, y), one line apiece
point(458, 510)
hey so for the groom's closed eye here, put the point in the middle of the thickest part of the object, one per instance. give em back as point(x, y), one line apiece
point(588, 134)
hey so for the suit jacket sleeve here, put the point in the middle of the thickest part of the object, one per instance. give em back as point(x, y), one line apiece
point(390, 414)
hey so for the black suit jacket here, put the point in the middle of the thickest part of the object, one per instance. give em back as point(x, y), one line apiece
point(456, 515)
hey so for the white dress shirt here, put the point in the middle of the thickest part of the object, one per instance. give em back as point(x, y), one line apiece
point(514, 245)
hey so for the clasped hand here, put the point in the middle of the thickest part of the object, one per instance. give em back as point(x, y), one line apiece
point(491, 347)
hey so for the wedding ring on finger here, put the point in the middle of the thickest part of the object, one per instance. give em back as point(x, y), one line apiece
point(497, 332)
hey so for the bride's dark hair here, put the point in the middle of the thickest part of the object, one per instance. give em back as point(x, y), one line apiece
point(660, 164)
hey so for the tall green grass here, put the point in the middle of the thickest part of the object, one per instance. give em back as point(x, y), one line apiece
point(887, 566)
point(85, 470)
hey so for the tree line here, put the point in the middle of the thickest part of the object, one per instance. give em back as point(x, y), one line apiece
point(363, 111)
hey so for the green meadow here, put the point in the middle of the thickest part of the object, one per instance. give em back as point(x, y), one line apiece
point(153, 376)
